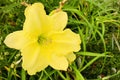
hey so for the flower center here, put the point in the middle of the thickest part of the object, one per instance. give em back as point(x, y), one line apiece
point(43, 40)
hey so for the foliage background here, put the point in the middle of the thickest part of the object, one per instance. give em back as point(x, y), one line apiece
point(97, 22)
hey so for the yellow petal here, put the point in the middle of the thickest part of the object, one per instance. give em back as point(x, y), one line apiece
point(36, 19)
point(60, 20)
point(65, 42)
point(71, 57)
point(34, 59)
point(59, 62)
point(15, 40)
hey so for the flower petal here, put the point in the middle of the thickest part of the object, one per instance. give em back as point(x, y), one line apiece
point(60, 20)
point(65, 42)
point(36, 19)
point(71, 57)
point(15, 40)
point(59, 62)
point(34, 59)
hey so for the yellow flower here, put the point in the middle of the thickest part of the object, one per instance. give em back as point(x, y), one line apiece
point(44, 41)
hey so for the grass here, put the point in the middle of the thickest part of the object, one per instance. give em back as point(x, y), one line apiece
point(96, 21)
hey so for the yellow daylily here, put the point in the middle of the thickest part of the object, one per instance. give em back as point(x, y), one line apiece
point(44, 41)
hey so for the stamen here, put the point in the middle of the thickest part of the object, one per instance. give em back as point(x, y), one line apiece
point(43, 40)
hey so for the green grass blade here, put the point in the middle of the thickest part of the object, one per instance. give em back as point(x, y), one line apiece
point(23, 74)
point(89, 63)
